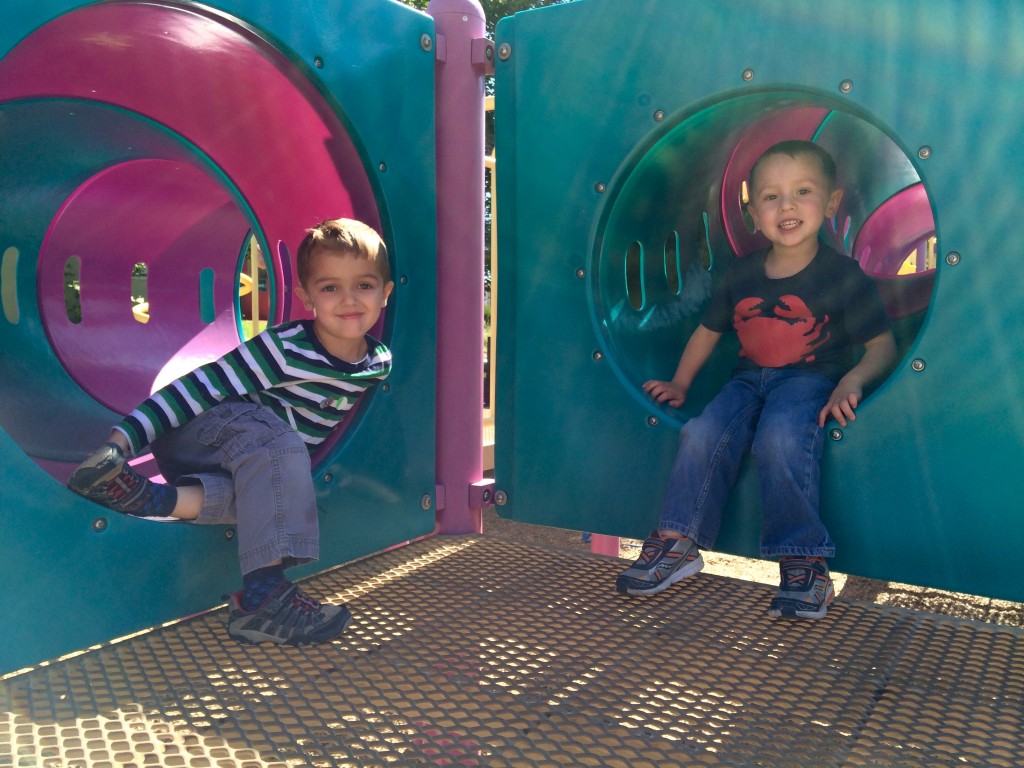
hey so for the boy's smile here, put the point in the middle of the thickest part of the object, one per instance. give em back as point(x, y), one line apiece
point(346, 294)
point(791, 199)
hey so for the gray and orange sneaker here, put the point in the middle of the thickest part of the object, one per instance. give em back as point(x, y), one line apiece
point(288, 616)
point(106, 478)
point(663, 561)
point(805, 589)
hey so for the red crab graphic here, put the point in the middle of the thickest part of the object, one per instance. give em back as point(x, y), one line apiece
point(780, 333)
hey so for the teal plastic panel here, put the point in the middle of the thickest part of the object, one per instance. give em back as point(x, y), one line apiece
point(623, 129)
point(78, 574)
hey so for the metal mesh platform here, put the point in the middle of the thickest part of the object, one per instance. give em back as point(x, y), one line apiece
point(474, 652)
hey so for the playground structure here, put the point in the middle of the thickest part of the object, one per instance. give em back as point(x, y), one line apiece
point(607, 249)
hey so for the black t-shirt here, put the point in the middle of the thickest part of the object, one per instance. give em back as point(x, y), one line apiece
point(813, 320)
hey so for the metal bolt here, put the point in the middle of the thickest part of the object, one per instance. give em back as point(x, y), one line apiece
point(500, 498)
point(846, 86)
point(600, 187)
point(383, 167)
point(652, 421)
point(918, 364)
point(836, 434)
point(489, 52)
point(504, 51)
point(426, 501)
point(403, 280)
point(426, 42)
point(581, 273)
point(659, 116)
point(924, 152)
point(385, 387)
point(952, 258)
point(229, 534)
point(318, 62)
point(598, 355)
point(99, 524)
point(748, 75)
point(328, 477)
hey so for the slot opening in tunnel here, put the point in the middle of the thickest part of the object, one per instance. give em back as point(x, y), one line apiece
point(685, 191)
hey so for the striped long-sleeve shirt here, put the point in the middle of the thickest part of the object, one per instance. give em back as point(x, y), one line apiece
point(285, 368)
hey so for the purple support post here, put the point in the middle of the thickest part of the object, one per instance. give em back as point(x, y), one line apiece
point(464, 56)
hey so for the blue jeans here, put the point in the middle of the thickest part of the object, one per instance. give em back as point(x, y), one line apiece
point(774, 414)
point(255, 472)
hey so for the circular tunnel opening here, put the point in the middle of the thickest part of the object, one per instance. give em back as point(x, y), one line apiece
point(149, 226)
point(676, 216)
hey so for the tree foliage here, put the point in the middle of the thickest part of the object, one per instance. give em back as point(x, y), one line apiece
point(495, 10)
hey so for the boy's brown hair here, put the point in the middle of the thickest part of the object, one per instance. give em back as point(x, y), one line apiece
point(796, 148)
point(347, 236)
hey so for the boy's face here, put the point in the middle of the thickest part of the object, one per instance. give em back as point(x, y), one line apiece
point(790, 200)
point(346, 294)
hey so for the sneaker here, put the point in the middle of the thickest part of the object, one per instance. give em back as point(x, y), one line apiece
point(662, 562)
point(288, 616)
point(106, 478)
point(805, 590)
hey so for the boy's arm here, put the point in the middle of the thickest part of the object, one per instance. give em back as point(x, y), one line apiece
point(878, 359)
point(698, 349)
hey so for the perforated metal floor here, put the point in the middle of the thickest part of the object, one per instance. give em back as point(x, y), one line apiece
point(474, 652)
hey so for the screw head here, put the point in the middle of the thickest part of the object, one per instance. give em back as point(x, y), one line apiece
point(500, 498)
point(836, 434)
point(318, 62)
point(581, 273)
point(659, 115)
point(504, 51)
point(598, 355)
point(426, 42)
point(229, 534)
point(748, 75)
point(652, 421)
point(383, 167)
point(952, 258)
point(924, 152)
point(918, 364)
point(385, 387)
point(99, 525)
point(846, 86)
point(426, 501)
point(600, 187)
point(328, 477)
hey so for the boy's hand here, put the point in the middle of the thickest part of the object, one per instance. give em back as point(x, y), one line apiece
point(841, 404)
point(666, 392)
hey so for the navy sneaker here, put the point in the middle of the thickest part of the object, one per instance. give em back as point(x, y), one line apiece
point(289, 617)
point(805, 589)
point(663, 561)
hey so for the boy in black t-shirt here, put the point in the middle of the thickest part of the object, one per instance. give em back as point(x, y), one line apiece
point(800, 310)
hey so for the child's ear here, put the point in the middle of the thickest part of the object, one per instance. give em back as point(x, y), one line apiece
point(388, 287)
point(833, 202)
point(304, 297)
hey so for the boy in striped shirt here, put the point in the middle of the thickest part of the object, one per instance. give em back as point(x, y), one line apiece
point(233, 437)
